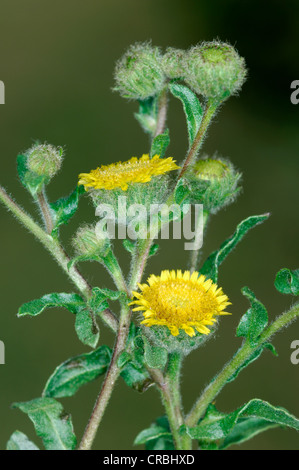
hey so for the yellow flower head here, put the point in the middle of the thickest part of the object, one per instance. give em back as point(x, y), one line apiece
point(180, 301)
point(121, 174)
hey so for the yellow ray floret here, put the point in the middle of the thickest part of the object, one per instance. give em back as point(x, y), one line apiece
point(180, 301)
point(121, 174)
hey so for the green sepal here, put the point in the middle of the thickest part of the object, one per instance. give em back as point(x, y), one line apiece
point(77, 371)
point(31, 181)
point(72, 302)
point(51, 423)
point(147, 114)
point(253, 357)
point(87, 328)
point(287, 281)
point(155, 357)
point(157, 437)
point(19, 441)
point(255, 320)
point(64, 209)
point(160, 144)
point(192, 107)
point(216, 425)
point(211, 265)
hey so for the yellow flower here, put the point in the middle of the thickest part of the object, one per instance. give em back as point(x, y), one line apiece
point(180, 301)
point(121, 174)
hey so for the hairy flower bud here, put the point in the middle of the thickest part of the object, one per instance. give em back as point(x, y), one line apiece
point(138, 73)
point(87, 243)
point(213, 183)
point(172, 63)
point(44, 160)
point(215, 70)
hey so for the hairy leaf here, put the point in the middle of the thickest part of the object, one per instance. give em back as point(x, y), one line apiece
point(64, 209)
point(255, 320)
point(77, 371)
point(214, 427)
point(147, 115)
point(211, 265)
point(160, 144)
point(19, 441)
point(51, 423)
point(287, 281)
point(86, 328)
point(157, 436)
point(72, 302)
point(192, 108)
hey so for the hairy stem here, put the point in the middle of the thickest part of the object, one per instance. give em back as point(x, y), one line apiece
point(246, 350)
point(56, 251)
point(199, 138)
point(44, 207)
point(162, 113)
point(201, 225)
point(109, 382)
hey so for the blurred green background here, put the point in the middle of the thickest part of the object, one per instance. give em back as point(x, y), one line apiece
point(57, 60)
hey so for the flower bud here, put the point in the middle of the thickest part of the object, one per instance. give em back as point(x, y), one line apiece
point(44, 160)
point(138, 73)
point(172, 63)
point(87, 243)
point(213, 183)
point(215, 70)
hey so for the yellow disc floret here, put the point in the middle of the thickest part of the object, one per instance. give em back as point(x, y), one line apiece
point(121, 174)
point(180, 301)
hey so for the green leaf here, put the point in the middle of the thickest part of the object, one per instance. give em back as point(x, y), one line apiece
point(31, 181)
point(254, 356)
point(87, 328)
point(214, 427)
point(51, 423)
point(77, 371)
point(153, 249)
point(154, 356)
point(192, 108)
point(123, 359)
point(63, 209)
point(129, 245)
point(287, 281)
point(160, 144)
point(147, 115)
point(182, 192)
point(79, 258)
point(72, 302)
point(211, 265)
point(157, 436)
point(246, 429)
point(19, 441)
point(255, 320)
point(136, 377)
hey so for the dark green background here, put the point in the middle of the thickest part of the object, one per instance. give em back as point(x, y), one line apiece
point(57, 59)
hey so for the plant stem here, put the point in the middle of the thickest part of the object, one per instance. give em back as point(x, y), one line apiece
point(237, 361)
point(57, 252)
point(44, 207)
point(162, 113)
point(109, 382)
point(139, 260)
point(197, 143)
point(198, 234)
